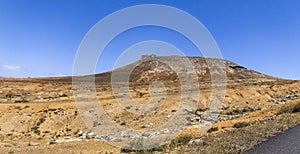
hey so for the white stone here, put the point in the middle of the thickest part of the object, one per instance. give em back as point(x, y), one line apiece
point(91, 134)
point(198, 141)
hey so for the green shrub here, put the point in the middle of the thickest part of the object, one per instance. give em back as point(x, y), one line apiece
point(241, 124)
point(46, 131)
point(213, 129)
point(296, 108)
point(290, 109)
point(129, 150)
point(137, 146)
point(41, 120)
point(182, 140)
point(201, 109)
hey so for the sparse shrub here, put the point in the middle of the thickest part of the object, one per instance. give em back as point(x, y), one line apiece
point(159, 148)
point(128, 150)
point(36, 130)
point(41, 120)
point(228, 113)
point(76, 132)
point(237, 111)
point(135, 146)
point(296, 108)
point(201, 109)
point(182, 140)
point(248, 109)
point(9, 134)
point(18, 107)
point(241, 124)
point(68, 129)
point(212, 129)
point(9, 95)
point(63, 95)
point(290, 109)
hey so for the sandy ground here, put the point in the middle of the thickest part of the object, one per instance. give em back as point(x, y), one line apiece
point(36, 115)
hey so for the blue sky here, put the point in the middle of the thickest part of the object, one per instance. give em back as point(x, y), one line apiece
point(40, 37)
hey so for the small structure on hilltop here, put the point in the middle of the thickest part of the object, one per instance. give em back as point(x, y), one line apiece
point(148, 57)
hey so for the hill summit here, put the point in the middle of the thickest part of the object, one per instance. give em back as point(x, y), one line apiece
point(167, 68)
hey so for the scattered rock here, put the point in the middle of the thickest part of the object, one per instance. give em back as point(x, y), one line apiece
point(197, 142)
point(80, 133)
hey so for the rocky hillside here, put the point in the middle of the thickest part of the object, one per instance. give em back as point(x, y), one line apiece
point(167, 68)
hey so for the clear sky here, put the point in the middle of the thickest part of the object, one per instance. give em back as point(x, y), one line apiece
point(40, 37)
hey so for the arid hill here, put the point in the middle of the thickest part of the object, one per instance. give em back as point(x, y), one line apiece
point(151, 68)
point(167, 67)
point(39, 115)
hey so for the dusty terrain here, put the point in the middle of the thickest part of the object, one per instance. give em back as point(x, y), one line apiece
point(40, 115)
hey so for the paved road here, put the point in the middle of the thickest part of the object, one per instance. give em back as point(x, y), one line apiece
point(287, 142)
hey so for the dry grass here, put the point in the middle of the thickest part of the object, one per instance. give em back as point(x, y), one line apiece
point(244, 135)
point(290, 109)
point(51, 109)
